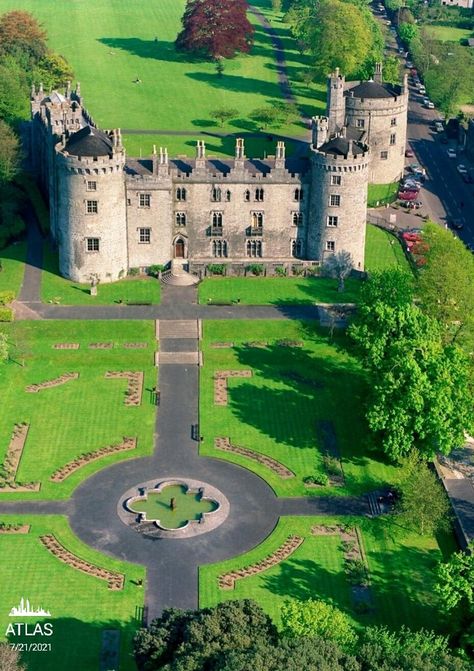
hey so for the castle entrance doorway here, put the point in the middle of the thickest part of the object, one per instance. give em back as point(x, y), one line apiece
point(179, 249)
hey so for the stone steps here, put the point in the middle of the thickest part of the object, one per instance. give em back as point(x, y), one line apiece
point(191, 358)
point(181, 279)
point(179, 328)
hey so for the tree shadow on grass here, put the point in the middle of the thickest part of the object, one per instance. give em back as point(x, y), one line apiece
point(77, 645)
point(238, 83)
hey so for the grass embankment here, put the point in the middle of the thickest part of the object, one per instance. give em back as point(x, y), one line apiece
point(281, 410)
point(12, 260)
point(82, 415)
point(380, 194)
point(383, 250)
point(57, 289)
point(81, 606)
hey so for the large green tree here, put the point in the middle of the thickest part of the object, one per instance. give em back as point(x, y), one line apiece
point(9, 153)
point(455, 585)
point(316, 618)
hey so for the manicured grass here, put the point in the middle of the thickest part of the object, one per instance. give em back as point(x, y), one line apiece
point(401, 570)
point(379, 194)
point(12, 260)
point(187, 506)
point(449, 33)
point(82, 415)
point(57, 289)
point(277, 290)
point(111, 44)
point(383, 250)
point(277, 411)
point(81, 606)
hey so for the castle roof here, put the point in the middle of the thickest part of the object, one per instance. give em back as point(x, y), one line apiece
point(339, 146)
point(55, 98)
point(372, 90)
point(218, 167)
point(89, 141)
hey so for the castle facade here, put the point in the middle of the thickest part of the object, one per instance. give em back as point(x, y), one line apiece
point(110, 213)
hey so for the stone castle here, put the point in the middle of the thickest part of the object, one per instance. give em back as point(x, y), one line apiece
point(110, 213)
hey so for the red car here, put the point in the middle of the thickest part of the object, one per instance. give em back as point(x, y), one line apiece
point(409, 153)
point(408, 195)
point(411, 237)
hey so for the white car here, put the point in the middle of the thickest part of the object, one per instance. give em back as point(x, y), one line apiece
point(409, 64)
point(462, 170)
point(451, 153)
point(421, 89)
point(429, 105)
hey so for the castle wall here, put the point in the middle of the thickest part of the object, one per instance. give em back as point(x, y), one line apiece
point(75, 226)
point(349, 232)
point(382, 119)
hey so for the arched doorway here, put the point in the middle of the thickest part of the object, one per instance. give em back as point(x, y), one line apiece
point(179, 248)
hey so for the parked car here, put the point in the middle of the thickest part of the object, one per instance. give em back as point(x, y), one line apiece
point(411, 236)
point(421, 89)
point(451, 153)
point(429, 105)
point(409, 64)
point(412, 204)
point(456, 224)
point(409, 153)
point(461, 168)
point(438, 127)
point(407, 195)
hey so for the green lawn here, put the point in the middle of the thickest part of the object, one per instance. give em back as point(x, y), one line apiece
point(81, 606)
point(449, 33)
point(401, 571)
point(277, 290)
point(82, 415)
point(113, 43)
point(379, 194)
point(57, 289)
point(12, 261)
point(276, 412)
point(383, 250)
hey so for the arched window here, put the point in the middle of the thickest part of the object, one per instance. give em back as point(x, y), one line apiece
point(216, 194)
point(257, 219)
point(219, 248)
point(298, 195)
point(297, 218)
point(180, 219)
point(247, 195)
point(259, 194)
point(217, 219)
point(296, 248)
point(181, 193)
point(227, 195)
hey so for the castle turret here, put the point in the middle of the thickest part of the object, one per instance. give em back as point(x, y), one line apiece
point(320, 130)
point(337, 212)
point(336, 107)
point(91, 227)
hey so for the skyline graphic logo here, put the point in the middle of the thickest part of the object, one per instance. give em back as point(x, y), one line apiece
point(25, 609)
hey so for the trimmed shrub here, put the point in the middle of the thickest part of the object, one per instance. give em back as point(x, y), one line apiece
point(255, 269)
point(280, 271)
point(316, 479)
point(133, 272)
point(217, 268)
point(6, 297)
point(6, 314)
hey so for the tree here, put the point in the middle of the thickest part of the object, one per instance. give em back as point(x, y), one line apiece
point(455, 584)
point(423, 503)
point(192, 640)
point(420, 393)
point(275, 115)
point(222, 114)
point(54, 71)
point(408, 32)
point(451, 77)
point(10, 658)
point(391, 70)
point(339, 266)
point(382, 650)
point(14, 105)
point(215, 28)
point(446, 285)
point(9, 153)
point(21, 32)
point(313, 618)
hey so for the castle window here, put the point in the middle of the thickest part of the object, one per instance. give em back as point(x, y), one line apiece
point(254, 248)
point(219, 248)
point(217, 219)
point(393, 138)
point(332, 221)
point(393, 122)
point(144, 200)
point(92, 244)
point(334, 200)
point(144, 236)
point(336, 180)
point(297, 219)
point(257, 220)
point(330, 246)
point(360, 123)
point(92, 206)
point(180, 219)
point(91, 186)
point(247, 195)
point(296, 248)
point(216, 194)
point(384, 155)
point(259, 194)
point(181, 193)
point(227, 195)
point(298, 195)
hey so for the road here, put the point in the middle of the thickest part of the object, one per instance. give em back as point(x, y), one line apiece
point(444, 194)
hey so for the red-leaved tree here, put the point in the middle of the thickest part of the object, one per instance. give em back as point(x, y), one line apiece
point(215, 28)
point(20, 32)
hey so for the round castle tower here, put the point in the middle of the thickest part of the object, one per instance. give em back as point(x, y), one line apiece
point(338, 207)
point(91, 229)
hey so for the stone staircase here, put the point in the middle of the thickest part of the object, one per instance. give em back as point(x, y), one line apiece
point(171, 333)
point(179, 328)
point(178, 276)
